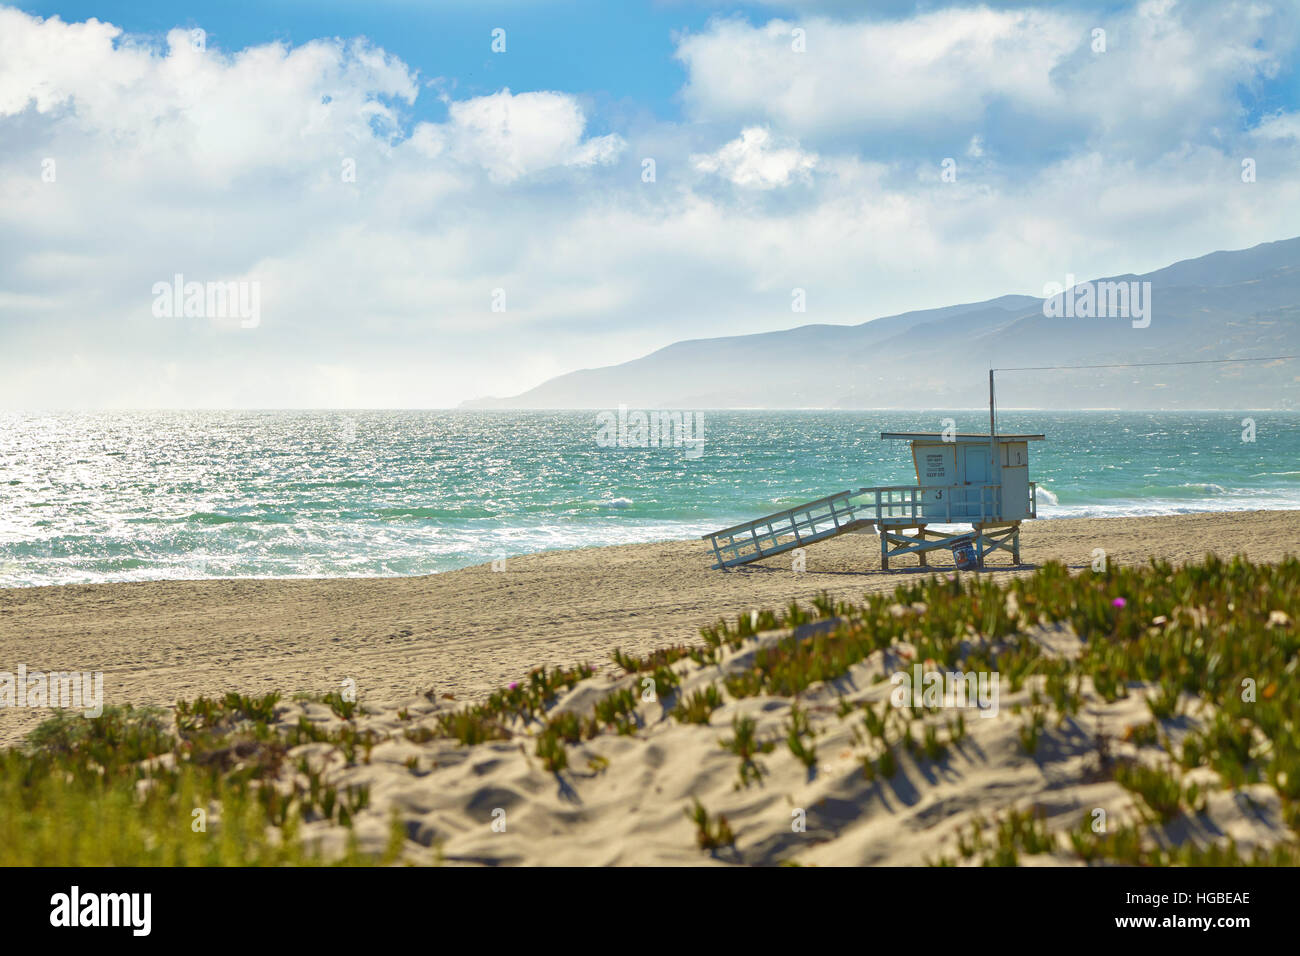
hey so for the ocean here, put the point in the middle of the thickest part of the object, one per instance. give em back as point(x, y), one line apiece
point(134, 496)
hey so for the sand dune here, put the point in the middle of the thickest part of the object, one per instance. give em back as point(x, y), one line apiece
point(622, 799)
point(467, 632)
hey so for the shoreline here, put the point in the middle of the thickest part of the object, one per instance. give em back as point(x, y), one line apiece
point(469, 631)
point(587, 547)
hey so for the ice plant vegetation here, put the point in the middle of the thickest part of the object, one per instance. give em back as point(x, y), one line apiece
point(1204, 657)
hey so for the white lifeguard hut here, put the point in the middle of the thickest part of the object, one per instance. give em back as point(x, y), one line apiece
point(963, 481)
point(960, 480)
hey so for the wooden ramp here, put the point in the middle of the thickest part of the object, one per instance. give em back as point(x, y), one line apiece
point(786, 530)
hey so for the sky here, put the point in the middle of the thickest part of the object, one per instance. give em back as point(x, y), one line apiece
point(423, 203)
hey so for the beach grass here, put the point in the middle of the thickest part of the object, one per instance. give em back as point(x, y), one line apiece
point(127, 789)
point(1217, 638)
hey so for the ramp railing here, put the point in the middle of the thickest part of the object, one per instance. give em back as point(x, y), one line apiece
point(785, 530)
point(894, 506)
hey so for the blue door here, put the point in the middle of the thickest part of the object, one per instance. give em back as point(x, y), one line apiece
point(975, 473)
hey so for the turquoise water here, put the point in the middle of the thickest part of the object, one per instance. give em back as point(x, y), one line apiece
point(125, 496)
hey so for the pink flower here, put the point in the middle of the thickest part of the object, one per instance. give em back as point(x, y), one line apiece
point(514, 684)
point(1119, 602)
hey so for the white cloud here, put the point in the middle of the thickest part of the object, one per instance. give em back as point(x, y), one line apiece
point(217, 115)
point(1279, 126)
point(934, 68)
point(226, 165)
point(1170, 71)
point(512, 135)
point(757, 159)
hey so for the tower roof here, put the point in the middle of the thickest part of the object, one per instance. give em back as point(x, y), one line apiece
point(961, 437)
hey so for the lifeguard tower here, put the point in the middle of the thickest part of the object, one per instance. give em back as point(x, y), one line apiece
point(962, 481)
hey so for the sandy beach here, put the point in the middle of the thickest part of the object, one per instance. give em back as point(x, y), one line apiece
point(470, 631)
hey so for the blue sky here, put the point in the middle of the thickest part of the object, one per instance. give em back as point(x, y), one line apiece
point(561, 46)
point(612, 51)
point(498, 226)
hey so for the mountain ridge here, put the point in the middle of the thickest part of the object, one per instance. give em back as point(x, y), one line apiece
point(1228, 303)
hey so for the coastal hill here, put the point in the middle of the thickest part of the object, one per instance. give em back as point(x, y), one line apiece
point(1226, 304)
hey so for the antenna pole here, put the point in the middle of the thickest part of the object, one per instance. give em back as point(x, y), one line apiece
point(993, 439)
